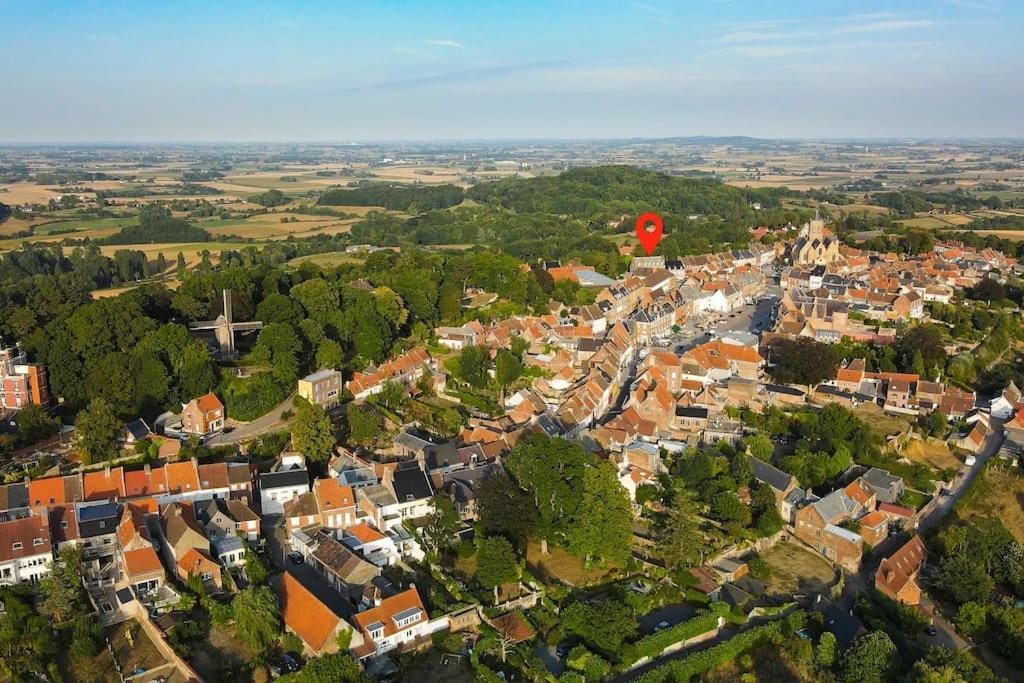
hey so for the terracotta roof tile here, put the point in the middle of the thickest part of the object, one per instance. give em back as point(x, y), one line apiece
point(142, 561)
point(385, 613)
point(103, 485)
point(304, 613)
point(182, 476)
point(43, 492)
point(365, 533)
point(214, 476)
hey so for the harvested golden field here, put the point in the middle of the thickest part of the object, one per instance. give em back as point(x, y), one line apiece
point(30, 193)
point(999, 494)
point(934, 452)
point(267, 225)
point(328, 259)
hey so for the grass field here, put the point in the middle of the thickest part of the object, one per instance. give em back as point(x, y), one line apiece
point(83, 225)
point(881, 423)
point(932, 452)
point(328, 259)
point(560, 566)
point(999, 494)
point(765, 663)
point(796, 569)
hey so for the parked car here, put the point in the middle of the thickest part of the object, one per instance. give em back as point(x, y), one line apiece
point(931, 630)
point(662, 625)
point(296, 558)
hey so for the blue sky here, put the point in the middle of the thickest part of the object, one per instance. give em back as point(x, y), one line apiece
point(347, 70)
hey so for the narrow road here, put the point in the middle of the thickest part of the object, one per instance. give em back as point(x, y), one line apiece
point(246, 431)
point(961, 484)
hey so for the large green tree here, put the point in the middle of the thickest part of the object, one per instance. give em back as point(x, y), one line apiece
point(602, 529)
point(871, 658)
point(96, 432)
point(496, 562)
point(257, 617)
point(552, 471)
point(603, 626)
point(312, 431)
point(505, 508)
point(801, 361)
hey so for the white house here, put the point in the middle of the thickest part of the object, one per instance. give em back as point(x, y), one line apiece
point(25, 550)
point(287, 481)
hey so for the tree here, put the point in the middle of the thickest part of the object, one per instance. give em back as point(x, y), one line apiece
point(801, 361)
point(602, 528)
point(552, 471)
point(181, 265)
point(442, 524)
point(337, 668)
point(505, 508)
point(603, 626)
point(96, 431)
point(449, 300)
point(473, 365)
point(496, 562)
point(682, 541)
point(255, 571)
point(945, 665)
point(363, 422)
point(257, 617)
point(507, 368)
point(312, 432)
point(825, 653)
point(35, 424)
point(760, 446)
point(329, 354)
point(278, 345)
point(970, 618)
point(871, 658)
point(26, 640)
point(964, 578)
point(765, 511)
point(924, 339)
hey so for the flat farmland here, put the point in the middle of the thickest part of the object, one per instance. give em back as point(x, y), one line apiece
point(192, 252)
point(83, 225)
point(267, 225)
point(328, 259)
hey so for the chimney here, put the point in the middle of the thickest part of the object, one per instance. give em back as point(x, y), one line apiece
point(146, 469)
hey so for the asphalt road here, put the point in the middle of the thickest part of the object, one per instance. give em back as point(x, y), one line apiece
point(245, 431)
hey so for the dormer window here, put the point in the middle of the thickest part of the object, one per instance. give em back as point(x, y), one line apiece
point(407, 617)
point(16, 545)
point(37, 541)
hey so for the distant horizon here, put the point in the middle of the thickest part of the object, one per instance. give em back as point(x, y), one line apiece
point(509, 140)
point(389, 71)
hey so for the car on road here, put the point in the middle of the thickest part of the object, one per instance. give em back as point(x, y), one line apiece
point(932, 631)
point(296, 558)
point(662, 625)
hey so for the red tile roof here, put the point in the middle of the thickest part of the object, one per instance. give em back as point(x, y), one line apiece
point(331, 495)
point(365, 533)
point(142, 561)
point(182, 476)
point(32, 535)
point(209, 402)
point(103, 485)
point(304, 613)
point(43, 492)
point(139, 483)
point(384, 613)
point(214, 476)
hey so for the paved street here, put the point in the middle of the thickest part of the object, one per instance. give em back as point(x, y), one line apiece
point(271, 422)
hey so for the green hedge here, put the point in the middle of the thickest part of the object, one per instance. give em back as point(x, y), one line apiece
point(705, 660)
point(654, 644)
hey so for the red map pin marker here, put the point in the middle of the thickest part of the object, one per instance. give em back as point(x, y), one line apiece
point(648, 229)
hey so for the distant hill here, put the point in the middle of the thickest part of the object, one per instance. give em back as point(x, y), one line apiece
point(584, 192)
point(170, 230)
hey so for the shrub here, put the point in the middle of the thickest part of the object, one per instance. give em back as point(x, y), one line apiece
point(759, 569)
point(654, 644)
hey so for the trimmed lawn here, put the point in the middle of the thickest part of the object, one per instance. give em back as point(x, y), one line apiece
point(795, 569)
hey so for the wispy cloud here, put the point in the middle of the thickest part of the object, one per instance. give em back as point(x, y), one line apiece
point(887, 25)
point(463, 75)
point(973, 4)
point(406, 50)
point(659, 14)
point(443, 42)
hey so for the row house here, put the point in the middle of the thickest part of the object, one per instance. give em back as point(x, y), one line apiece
point(344, 569)
point(137, 560)
point(310, 617)
point(897, 575)
point(26, 553)
point(223, 517)
point(724, 358)
point(399, 622)
point(288, 480)
point(458, 338)
point(185, 547)
point(404, 369)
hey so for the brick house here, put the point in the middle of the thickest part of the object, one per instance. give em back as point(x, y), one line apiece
point(817, 525)
point(897, 574)
point(203, 415)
